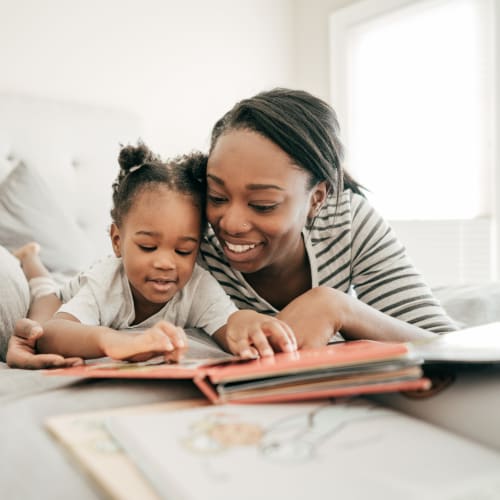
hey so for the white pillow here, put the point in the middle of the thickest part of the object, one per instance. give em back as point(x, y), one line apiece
point(29, 211)
point(471, 305)
point(6, 167)
point(14, 297)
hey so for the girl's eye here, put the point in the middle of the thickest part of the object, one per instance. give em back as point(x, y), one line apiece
point(184, 252)
point(215, 199)
point(265, 208)
point(145, 248)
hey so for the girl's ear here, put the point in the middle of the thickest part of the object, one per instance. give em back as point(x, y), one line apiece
point(318, 197)
point(114, 234)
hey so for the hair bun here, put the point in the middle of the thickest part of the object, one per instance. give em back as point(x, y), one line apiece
point(134, 156)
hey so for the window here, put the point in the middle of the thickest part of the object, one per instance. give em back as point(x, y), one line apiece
point(412, 82)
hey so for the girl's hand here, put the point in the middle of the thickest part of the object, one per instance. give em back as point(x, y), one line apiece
point(163, 339)
point(249, 334)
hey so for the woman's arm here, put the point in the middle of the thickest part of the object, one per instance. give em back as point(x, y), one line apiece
point(384, 277)
point(321, 312)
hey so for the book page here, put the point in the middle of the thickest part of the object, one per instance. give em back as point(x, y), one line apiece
point(468, 404)
point(478, 344)
point(86, 437)
point(350, 449)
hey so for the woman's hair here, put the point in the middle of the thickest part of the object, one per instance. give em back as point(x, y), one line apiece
point(302, 125)
point(142, 170)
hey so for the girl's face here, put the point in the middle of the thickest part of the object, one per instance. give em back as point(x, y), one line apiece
point(158, 242)
point(258, 202)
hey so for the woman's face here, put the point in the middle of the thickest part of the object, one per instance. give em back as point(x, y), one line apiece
point(258, 202)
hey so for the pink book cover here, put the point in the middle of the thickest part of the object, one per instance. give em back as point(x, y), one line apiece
point(208, 374)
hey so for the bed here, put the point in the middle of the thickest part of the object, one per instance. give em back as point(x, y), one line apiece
point(57, 162)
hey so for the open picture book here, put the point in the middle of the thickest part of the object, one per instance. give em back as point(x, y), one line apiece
point(341, 369)
point(344, 448)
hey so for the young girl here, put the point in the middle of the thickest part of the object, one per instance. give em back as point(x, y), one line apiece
point(135, 304)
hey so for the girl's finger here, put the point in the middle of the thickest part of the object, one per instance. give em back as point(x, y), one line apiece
point(174, 333)
point(182, 337)
point(156, 340)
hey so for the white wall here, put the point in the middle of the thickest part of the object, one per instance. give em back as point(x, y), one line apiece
point(178, 64)
point(467, 256)
point(312, 43)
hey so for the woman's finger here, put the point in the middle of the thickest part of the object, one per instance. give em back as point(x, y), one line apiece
point(260, 342)
point(28, 329)
point(242, 348)
point(280, 335)
point(29, 361)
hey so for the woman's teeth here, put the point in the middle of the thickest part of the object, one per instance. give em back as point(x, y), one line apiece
point(239, 248)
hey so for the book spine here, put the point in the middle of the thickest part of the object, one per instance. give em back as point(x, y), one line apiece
point(422, 384)
point(206, 388)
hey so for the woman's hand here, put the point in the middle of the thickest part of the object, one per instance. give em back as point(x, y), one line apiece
point(315, 316)
point(163, 339)
point(250, 334)
point(21, 351)
point(321, 312)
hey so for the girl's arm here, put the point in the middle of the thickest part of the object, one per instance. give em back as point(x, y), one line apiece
point(66, 336)
point(321, 312)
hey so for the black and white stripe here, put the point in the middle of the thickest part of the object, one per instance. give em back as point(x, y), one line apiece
point(350, 248)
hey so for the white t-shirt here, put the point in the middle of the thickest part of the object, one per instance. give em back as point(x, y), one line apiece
point(102, 296)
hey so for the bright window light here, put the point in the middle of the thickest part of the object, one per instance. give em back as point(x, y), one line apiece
point(418, 110)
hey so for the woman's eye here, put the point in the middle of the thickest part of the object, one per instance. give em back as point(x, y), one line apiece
point(215, 199)
point(265, 208)
point(145, 248)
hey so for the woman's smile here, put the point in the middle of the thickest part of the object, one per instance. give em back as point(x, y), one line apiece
point(241, 252)
point(239, 248)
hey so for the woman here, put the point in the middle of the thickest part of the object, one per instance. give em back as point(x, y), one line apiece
point(291, 233)
point(286, 219)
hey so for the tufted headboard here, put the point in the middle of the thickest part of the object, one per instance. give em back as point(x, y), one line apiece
point(74, 147)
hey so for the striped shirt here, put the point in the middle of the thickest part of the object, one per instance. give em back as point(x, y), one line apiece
point(353, 249)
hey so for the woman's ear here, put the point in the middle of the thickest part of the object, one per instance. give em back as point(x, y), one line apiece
point(318, 197)
point(114, 234)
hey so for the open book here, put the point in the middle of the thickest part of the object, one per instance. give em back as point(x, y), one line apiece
point(348, 448)
point(348, 368)
point(479, 344)
point(342, 369)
